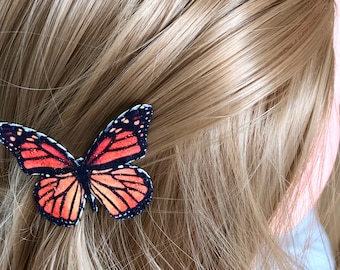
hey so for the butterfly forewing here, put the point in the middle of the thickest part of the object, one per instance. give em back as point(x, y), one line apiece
point(35, 152)
point(123, 140)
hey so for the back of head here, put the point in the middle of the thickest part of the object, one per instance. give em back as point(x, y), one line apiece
point(238, 90)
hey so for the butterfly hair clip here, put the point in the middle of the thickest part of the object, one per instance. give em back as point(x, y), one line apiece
point(105, 174)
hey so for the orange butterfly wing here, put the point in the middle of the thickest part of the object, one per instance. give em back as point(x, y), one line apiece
point(35, 152)
point(124, 192)
point(60, 199)
point(123, 141)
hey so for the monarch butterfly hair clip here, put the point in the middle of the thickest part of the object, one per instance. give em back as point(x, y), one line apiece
point(105, 174)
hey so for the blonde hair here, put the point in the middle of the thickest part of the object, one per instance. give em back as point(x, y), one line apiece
point(239, 89)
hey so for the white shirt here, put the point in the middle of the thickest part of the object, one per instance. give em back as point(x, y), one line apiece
point(308, 244)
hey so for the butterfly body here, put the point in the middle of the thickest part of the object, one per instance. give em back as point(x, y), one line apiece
point(105, 174)
point(83, 177)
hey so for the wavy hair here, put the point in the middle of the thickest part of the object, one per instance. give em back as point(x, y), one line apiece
point(239, 89)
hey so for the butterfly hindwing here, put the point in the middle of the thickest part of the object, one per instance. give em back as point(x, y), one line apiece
point(60, 199)
point(124, 192)
point(123, 140)
point(35, 152)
